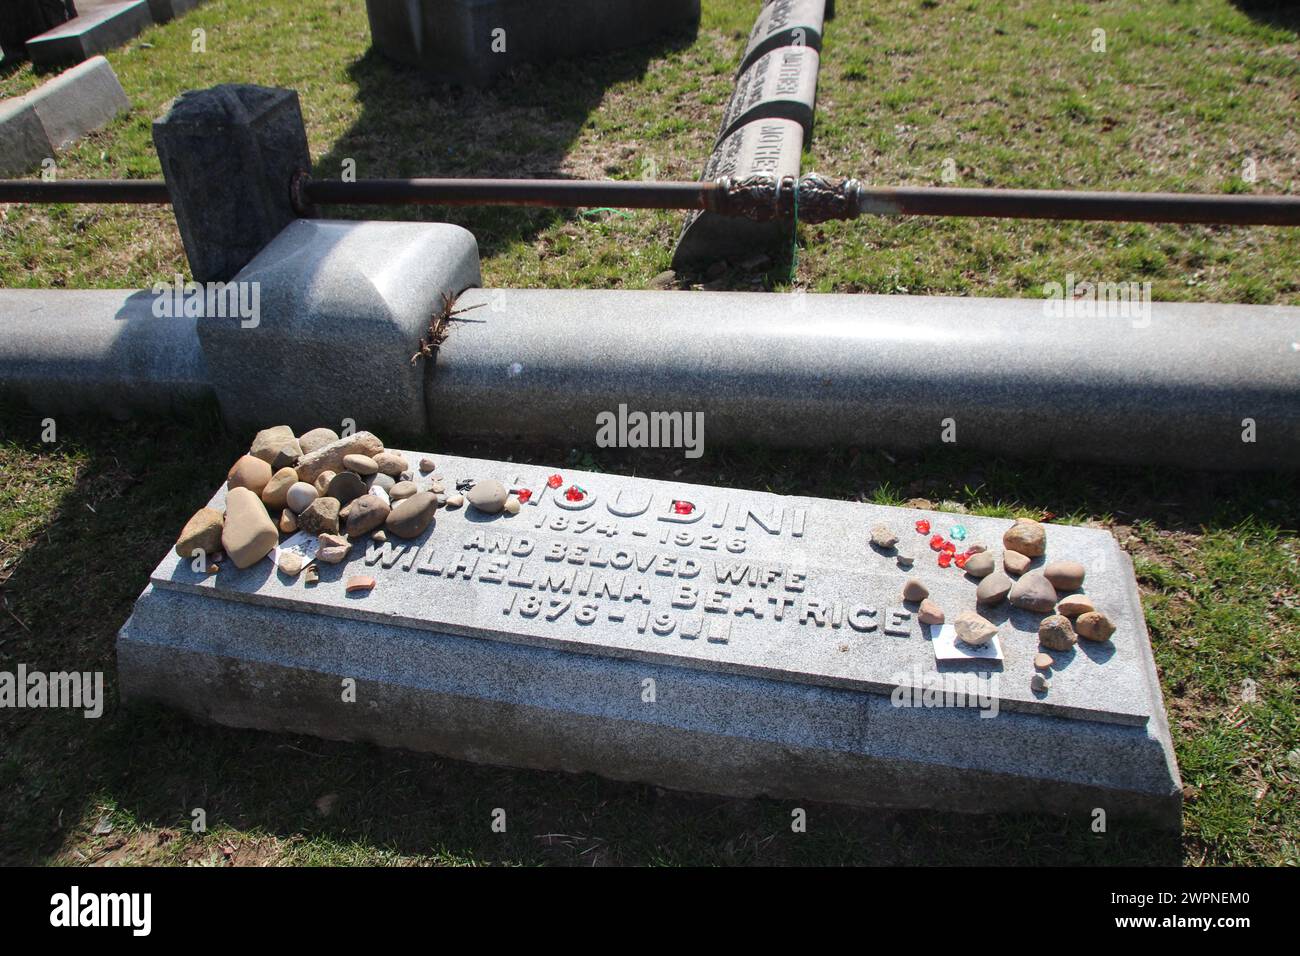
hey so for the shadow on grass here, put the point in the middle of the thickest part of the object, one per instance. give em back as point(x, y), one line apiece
point(1284, 14)
point(522, 128)
point(73, 586)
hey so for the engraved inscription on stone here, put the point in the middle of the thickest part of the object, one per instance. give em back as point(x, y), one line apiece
point(781, 84)
point(785, 23)
point(742, 582)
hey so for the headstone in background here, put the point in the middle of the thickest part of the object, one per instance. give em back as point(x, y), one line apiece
point(701, 638)
point(23, 140)
point(95, 29)
point(780, 84)
point(165, 10)
point(785, 23)
point(24, 19)
point(472, 42)
point(772, 147)
point(79, 100)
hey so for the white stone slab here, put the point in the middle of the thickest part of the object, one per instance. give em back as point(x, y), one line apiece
point(750, 583)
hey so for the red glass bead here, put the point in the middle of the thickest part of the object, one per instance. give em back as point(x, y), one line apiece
point(936, 543)
point(524, 495)
point(945, 559)
point(554, 481)
point(574, 493)
point(960, 560)
point(949, 548)
point(683, 507)
point(923, 527)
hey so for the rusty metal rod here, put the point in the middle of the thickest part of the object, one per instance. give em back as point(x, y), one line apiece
point(818, 199)
point(1064, 204)
point(85, 191)
point(512, 192)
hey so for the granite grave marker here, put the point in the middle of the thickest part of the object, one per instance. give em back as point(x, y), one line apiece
point(781, 84)
point(785, 23)
point(782, 657)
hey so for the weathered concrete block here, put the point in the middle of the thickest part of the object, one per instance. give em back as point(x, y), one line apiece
point(472, 42)
point(837, 371)
point(23, 140)
point(98, 350)
point(780, 654)
point(98, 30)
point(342, 307)
point(780, 84)
point(772, 147)
point(164, 11)
point(78, 101)
point(785, 23)
point(229, 154)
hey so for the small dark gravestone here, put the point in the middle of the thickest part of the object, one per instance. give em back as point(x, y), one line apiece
point(472, 42)
point(785, 23)
point(228, 155)
point(770, 147)
point(781, 84)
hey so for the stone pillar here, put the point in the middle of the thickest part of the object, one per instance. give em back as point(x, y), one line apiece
point(229, 154)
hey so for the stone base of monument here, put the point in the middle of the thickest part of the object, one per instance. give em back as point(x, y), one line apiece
point(472, 42)
point(697, 638)
point(97, 30)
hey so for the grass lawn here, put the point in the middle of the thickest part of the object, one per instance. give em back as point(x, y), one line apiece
point(1011, 92)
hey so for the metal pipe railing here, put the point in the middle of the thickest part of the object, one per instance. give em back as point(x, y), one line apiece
point(760, 197)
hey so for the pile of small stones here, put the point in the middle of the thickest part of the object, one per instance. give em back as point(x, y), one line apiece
point(1050, 591)
point(340, 489)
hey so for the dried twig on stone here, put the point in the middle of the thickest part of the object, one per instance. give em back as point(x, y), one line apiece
point(437, 333)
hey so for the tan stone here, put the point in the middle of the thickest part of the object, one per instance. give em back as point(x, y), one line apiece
point(1074, 605)
point(1056, 632)
point(1065, 575)
point(249, 472)
point(270, 442)
point(333, 548)
point(275, 494)
point(930, 613)
point(320, 517)
point(249, 534)
point(330, 457)
point(1094, 625)
point(390, 463)
point(1026, 537)
point(203, 530)
point(360, 464)
point(1015, 563)
point(914, 590)
point(973, 629)
point(316, 439)
point(980, 565)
